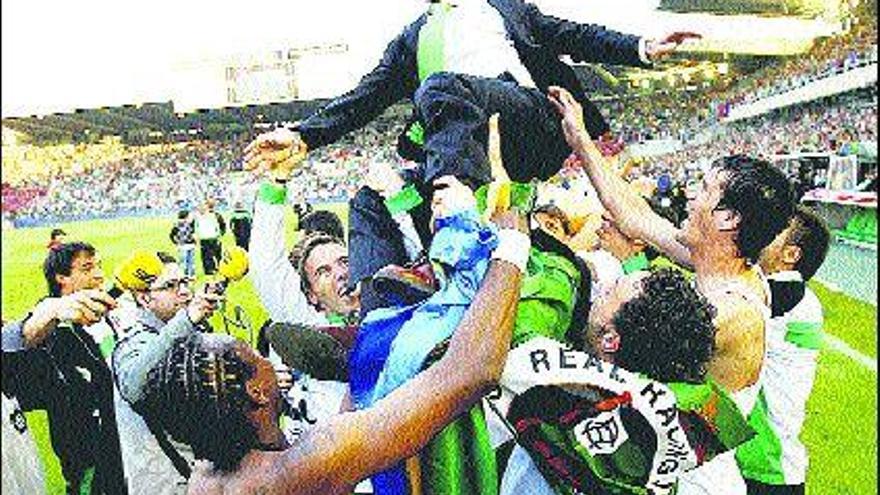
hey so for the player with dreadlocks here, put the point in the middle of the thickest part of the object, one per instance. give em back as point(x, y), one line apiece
point(202, 381)
point(217, 395)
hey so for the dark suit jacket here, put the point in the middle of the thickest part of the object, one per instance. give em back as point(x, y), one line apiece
point(539, 39)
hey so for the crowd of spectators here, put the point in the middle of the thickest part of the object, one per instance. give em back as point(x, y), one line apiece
point(825, 125)
point(109, 179)
point(668, 114)
point(138, 180)
point(829, 56)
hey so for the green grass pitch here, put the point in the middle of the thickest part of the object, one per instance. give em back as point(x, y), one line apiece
point(840, 430)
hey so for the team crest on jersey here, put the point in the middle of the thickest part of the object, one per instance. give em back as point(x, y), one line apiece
point(602, 434)
point(18, 421)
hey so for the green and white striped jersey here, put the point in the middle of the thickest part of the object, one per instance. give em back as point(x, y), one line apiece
point(776, 455)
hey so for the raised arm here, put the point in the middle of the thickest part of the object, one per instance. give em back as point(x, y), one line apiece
point(632, 213)
point(593, 43)
point(350, 447)
point(393, 79)
point(275, 280)
point(143, 348)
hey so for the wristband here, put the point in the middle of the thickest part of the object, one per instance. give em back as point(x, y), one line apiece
point(635, 263)
point(513, 247)
point(272, 193)
point(404, 200)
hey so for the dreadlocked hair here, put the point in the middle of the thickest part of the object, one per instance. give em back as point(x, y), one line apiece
point(198, 395)
point(666, 332)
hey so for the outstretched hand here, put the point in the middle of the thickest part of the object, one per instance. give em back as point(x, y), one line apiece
point(573, 125)
point(278, 152)
point(572, 114)
point(84, 308)
point(657, 49)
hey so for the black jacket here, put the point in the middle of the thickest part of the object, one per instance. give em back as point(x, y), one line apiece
point(68, 377)
point(539, 39)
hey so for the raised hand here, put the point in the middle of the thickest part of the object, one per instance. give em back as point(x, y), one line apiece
point(384, 179)
point(573, 125)
point(572, 118)
point(203, 304)
point(278, 152)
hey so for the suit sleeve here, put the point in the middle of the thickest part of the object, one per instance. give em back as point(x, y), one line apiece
point(395, 78)
point(585, 42)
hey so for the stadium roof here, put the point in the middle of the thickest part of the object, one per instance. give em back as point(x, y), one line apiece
point(153, 120)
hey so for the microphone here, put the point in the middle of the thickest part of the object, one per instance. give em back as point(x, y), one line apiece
point(233, 267)
point(136, 272)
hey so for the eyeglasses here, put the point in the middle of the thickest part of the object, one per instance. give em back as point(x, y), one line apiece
point(175, 285)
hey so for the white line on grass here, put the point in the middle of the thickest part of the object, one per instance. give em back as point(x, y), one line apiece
point(842, 347)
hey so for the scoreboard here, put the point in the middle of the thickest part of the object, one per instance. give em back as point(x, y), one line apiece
point(259, 77)
point(262, 82)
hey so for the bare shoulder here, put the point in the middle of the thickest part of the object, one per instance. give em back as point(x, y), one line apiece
point(738, 312)
point(203, 481)
point(317, 463)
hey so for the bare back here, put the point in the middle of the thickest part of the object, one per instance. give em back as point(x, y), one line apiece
point(252, 477)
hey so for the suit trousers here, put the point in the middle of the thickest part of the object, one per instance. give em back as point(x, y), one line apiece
point(454, 110)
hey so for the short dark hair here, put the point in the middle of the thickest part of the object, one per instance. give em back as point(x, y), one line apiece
point(762, 196)
point(301, 251)
point(667, 331)
point(198, 394)
point(182, 214)
point(323, 221)
point(810, 233)
point(59, 261)
point(56, 232)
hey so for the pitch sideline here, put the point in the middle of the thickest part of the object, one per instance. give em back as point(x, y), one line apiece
point(842, 347)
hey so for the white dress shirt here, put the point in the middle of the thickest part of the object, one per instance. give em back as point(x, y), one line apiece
point(476, 43)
